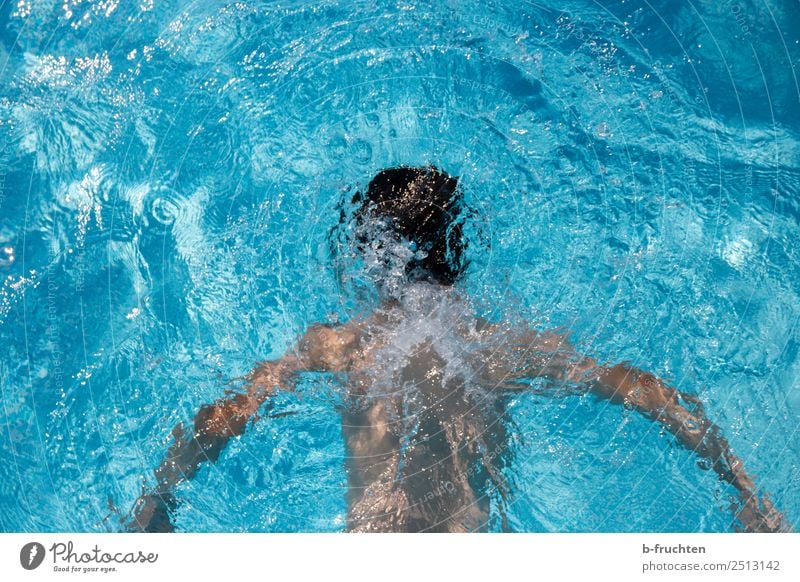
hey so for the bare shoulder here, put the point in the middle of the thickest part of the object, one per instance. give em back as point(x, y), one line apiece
point(522, 336)
point(333, 348)
point(513, 351)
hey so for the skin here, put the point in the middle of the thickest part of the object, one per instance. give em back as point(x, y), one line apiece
point(432, 477)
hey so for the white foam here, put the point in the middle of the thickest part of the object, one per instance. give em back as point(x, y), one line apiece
point(436, 320)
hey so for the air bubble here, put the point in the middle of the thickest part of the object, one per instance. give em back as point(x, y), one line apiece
point(337, 147)
point(164, 210)
point(603, 129)
point(362, 152)
point(7, 256)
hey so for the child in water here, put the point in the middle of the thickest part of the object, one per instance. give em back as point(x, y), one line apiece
point(425, 427)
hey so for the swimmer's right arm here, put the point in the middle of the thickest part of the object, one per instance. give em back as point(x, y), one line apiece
point(322, 349)
point(550, 355)
point(684, 416)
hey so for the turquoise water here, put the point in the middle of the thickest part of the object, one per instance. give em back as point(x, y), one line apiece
point(170, 173)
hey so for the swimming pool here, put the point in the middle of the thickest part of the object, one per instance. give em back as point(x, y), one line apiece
point(170, 175)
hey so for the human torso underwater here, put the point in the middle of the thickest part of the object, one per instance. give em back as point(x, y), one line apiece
point(425, 440)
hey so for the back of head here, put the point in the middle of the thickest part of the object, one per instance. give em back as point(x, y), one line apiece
point(421, 206)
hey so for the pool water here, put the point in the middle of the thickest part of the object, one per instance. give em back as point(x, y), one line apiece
point(170, 173)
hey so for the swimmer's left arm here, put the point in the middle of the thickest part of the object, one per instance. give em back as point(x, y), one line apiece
point(650, 396)
point(550, 355)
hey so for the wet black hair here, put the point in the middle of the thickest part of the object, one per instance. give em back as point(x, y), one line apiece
point(423, 206)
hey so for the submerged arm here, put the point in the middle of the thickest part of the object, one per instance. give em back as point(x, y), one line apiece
point(650, 396)
point(321, 349)
point(551, 356)
point(212, 428)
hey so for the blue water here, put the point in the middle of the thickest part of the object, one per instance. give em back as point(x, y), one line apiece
point(170, 171)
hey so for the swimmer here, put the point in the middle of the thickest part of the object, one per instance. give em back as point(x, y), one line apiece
point(425, 428)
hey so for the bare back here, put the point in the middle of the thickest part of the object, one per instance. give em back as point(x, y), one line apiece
point(424, 441)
